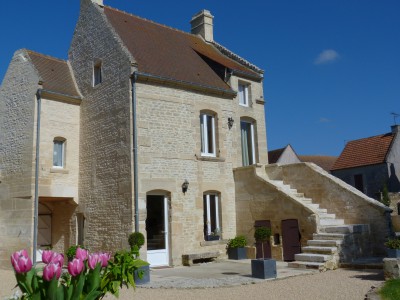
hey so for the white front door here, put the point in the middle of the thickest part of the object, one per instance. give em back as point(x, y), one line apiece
point(157, 230)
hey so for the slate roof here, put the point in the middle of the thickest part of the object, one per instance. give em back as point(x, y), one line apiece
point(274, 155)
point(169, 53)
point(325, 162)
point(55, 74)
point(364, 152)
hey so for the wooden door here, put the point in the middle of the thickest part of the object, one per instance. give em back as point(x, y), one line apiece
point(265, 245)
point(290, 239)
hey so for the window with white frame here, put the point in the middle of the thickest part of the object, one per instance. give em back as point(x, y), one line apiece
point(212, 215)
point(59, 152)
point(207, 128)
point(97, 73)
point(248, 143)
point(243, 94)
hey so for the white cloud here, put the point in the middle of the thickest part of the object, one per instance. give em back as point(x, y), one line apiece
point(326, 56)
point(324, 120)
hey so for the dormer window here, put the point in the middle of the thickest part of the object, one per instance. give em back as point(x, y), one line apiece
point(97, 73)
point(243, 94)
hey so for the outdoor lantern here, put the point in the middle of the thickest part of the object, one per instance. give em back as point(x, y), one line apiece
point(185, 186)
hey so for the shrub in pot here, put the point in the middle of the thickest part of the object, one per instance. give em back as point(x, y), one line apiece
point(393, 248)
point(263, 268)
point(136, 241)
point(236, 248)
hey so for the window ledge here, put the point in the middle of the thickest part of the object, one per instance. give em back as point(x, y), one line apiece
point(59, 170)
point(213, 243)
point(260, 101)
point(209, 158)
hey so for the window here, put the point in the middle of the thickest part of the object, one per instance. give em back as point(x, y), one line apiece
point(212, 223)
point(207, 128)
point(248, 143)
point(97, 76)
point(358, 182)
point(59, 153)
point(243, 94)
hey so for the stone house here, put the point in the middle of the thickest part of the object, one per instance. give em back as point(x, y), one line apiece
point(283, 156)
point(370, 163)
point(148, 128)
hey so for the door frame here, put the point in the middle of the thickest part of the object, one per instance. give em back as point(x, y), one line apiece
point(287, 243)
point(166, 202)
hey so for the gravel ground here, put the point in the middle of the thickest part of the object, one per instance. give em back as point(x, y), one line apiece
point(341, 284)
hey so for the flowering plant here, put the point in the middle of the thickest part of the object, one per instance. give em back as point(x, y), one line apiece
point(82, 281)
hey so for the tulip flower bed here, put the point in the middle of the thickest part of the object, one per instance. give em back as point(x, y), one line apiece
point(89, 276)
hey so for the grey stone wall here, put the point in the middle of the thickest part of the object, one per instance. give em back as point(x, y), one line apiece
point(17, 138)
point(393, 161)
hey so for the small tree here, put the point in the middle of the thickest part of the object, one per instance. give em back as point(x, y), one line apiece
point(136, 241)
point(262, 234)
point(385, 195)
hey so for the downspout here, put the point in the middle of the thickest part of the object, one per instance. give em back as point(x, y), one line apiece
point(135, 150)
point(36, 200)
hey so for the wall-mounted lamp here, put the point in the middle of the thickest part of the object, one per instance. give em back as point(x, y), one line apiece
point(185, 186)
point(230, 122)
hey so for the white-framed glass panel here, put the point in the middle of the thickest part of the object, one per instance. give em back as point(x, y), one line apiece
point(212, 215)
point(58, 153)
point(248, 143)
point(97, 74)
point(243, 94)
point(207, 128)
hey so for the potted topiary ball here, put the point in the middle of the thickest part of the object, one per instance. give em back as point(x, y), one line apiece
point(393, 248)
point(263, 268)
point(236, 248)
point(136, 241)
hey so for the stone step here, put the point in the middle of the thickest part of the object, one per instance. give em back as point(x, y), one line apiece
point(328, 236)
point(312, 205)
point(306, 265)
point(322, 210)
point(350, 228)
point(330, 222)
point(319, 249)
point(324, 243)
point(306, 200)
point(310, 257)
point(327, 216)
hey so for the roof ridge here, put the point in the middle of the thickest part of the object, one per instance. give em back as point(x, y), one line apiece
point(370, 137)
point(46, 56)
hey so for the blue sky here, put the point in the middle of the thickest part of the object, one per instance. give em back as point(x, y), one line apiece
point(332, 68)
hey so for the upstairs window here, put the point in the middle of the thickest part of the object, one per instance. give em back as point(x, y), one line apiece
point(97, 73)
point(59, 152)
point(248, 143)
point(207, 128)
point(243, 94)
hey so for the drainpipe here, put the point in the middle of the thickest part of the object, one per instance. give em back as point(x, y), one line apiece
point(36, 203)
point(135, 150)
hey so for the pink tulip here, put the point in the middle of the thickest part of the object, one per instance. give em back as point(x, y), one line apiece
point(105, 257)
point(46, 256)
point(51, 270)
point(58, 258)
point(93, 260)
point(81, 254)
point(21, 262)
point(75, 267)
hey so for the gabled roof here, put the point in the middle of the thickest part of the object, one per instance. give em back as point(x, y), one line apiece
point(368, 151)
point(325, 162)
point(274, 155)
point(169, 53)
point(55, 74)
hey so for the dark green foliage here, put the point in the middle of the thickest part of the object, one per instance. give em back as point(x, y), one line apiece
point(262, 234)
point(136, 239)
point(390, 290)
point(393, 244)
point(385, 196)
point(72, 251)
point(237, 242)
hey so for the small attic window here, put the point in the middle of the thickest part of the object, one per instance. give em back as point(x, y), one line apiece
point(97, 76)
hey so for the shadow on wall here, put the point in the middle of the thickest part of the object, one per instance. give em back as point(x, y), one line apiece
point(394, 183)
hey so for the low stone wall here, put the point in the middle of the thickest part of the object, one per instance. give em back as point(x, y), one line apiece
point(391, 268)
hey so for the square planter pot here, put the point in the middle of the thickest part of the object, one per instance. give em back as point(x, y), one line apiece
point(237, 253)
point(212, 237)
point(263, 268)
point(393, 253)
point(145, 277)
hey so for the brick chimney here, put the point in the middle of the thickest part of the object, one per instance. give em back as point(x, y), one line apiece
point(202, 24)
point(395, 128)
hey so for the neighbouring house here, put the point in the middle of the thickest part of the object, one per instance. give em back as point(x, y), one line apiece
point(370, 163)
point(324, 161)
point(283, 156)
point(152, 129)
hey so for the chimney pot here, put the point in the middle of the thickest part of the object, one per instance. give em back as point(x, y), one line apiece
point(202, 24)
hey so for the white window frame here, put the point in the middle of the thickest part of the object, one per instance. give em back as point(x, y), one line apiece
point(61, 142)
point(97, 73)
point(204, 130)
point(252, 159)
point(208, 211)
point(243, 91)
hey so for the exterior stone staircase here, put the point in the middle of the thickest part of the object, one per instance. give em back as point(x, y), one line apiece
point(328, 246)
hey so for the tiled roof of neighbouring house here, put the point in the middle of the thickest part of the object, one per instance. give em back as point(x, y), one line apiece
point(325, 162)
point(55, 74)
point(363, 152)
point(169, 53)
point(274, 155)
